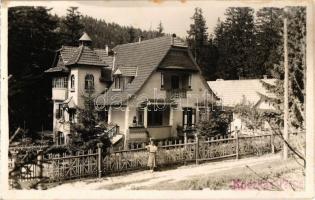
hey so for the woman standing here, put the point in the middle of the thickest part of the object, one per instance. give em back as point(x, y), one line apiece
point(152, 148)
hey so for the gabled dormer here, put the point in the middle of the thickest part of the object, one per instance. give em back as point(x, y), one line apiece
point(123, 77)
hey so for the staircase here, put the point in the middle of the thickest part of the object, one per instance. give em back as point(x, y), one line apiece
point(113, 134)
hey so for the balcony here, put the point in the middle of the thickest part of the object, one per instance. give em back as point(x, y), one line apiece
point(160, 132)
point(59, 94)
point(176, 93)
point(138, 134)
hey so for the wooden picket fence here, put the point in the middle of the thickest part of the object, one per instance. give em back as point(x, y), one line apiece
point(96, 163)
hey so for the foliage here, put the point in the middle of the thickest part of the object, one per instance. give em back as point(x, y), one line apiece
point(201, 45)
point(31, 44)
point(104, 33)
point(235, 40)
point(250, 115)
point(160, 29)
point(71, 27)
point(218, 123)
point(296, 17)
point(89, 127)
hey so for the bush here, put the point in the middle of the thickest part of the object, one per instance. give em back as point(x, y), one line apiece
point(218, 124)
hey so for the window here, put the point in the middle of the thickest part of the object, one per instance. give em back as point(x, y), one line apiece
point(72, 81)
point(189, 81)
point(60, 82)
point(117, 82)
point(59, 112)
point(175, 82)
point(162, 81)
point(131, 79)
point(140, 114)
point(72, 115)
point(89, 82)
point(189, 117)
point(60, 139)
point(155, 117)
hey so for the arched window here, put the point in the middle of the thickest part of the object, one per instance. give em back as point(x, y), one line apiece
point(72, 81)
point(89, 82)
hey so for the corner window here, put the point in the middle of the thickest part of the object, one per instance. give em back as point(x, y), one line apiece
point(60, 82)
point(89, 82)
point(72, 81)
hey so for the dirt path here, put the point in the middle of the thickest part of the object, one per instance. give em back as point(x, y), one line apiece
point(146, 178)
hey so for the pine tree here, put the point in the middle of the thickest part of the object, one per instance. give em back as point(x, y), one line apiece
point(269, 23)
point(235, 40)
point(197, 34)
point(72, 27)
point(160, 30)
point(31, 43)
point(297, 65)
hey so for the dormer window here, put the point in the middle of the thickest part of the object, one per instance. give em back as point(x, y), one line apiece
point(117, 82)
point(72, 82)
point(89, 82)
point(130, 79)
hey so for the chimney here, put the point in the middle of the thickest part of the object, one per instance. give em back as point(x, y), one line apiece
point(173, 38)
point(265, 76)
point(106, 50)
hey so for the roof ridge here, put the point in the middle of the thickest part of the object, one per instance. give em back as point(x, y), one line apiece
point(142, 41)
point(244, 80)
point(80, 53)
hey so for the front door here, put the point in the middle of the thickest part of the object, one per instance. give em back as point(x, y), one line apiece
point(189, 117)
point(175, 82)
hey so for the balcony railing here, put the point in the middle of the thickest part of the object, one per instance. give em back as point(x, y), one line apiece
point(59, 93)
point(176, 93)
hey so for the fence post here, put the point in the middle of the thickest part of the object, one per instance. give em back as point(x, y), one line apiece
point(99, 163)
point(197, 149)
point(272, 138)
point(237, 144)
point(40, 169)
point(14, 173)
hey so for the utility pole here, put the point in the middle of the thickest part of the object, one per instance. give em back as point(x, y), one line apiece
point(286, 90)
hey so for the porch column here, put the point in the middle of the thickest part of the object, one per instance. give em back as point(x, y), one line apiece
point(126, 126)
point(171, 116)
point(109, 120)
point(145, 117)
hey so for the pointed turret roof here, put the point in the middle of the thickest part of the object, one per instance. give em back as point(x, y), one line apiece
point(85, 37)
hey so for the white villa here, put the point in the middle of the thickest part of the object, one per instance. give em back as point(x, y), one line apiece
point(147, 89)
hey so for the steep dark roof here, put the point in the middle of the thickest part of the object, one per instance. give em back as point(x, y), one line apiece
point(60, 67)
point(103, 55)
point(127, 70)
point(146, 56)
point(82, 55)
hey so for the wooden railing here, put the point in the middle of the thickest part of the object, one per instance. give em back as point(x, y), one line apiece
point(95, 163)
point(176, 93)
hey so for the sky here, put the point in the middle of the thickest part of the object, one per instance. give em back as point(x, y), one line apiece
point(174, 15)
